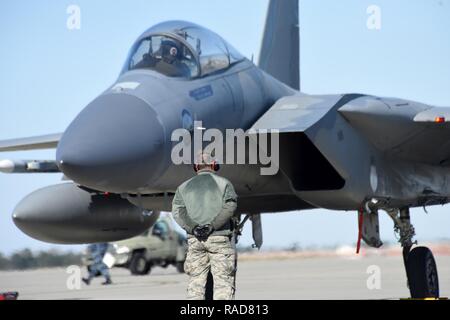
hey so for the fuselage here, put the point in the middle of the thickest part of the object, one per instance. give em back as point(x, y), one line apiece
point(122, 141)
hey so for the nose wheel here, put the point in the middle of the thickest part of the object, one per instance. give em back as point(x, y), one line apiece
point(421, 270)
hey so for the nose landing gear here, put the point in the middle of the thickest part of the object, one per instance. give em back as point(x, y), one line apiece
point(421, 270)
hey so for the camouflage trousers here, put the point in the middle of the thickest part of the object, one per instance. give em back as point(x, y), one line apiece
point(217, 255)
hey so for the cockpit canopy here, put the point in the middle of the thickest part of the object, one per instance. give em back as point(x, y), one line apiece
point(181, 50)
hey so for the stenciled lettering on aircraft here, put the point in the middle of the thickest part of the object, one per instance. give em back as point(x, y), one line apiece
point(118, 87)
point(202, 93)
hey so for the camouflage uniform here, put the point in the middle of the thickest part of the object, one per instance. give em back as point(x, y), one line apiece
point(208, 199)
point(98, 251)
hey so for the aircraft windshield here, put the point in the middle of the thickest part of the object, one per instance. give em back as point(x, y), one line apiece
point(165, 55)
point(182, 49)
point(210, 48)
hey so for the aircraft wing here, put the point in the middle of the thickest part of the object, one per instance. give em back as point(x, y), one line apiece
point(296, 113)
point(32, 143)
point(402, 129)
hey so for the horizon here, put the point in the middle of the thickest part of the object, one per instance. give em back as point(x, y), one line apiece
point(49, 73)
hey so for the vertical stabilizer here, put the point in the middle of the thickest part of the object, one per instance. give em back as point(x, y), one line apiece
point(280, 50)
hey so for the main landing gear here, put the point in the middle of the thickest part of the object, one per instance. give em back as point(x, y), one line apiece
point(421, 270)
point(420, 266)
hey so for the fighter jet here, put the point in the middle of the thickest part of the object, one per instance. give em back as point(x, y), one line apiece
point(349, 152)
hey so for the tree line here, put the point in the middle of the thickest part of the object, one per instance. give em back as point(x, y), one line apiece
point(27, 259)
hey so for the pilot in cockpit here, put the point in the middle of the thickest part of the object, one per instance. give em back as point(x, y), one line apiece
point(171, 59)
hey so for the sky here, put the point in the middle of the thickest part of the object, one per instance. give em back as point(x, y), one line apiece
point(48, 73)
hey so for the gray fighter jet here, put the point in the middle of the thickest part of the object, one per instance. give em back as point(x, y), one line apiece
point(341, 152)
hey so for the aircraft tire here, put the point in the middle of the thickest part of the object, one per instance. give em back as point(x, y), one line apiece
point(422, 274)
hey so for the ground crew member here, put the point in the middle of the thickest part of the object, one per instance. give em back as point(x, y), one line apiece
point(97, 251)
point(204, 207)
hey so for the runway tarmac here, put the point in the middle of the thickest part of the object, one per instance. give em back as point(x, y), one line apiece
point(308, 278)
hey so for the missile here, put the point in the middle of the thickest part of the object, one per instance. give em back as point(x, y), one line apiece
point(28, 166)
point(9, 166)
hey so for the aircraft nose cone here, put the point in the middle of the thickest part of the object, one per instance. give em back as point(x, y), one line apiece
point(114, 144)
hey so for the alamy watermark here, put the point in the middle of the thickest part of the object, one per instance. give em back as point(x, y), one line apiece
point(374, 280)
point(259, 147)
point(74, 19)
point(374, 19)
point(73, 281)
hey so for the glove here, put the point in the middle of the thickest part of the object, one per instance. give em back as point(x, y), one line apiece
point(202, 232)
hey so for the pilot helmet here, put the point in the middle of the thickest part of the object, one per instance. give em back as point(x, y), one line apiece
point(170, 50)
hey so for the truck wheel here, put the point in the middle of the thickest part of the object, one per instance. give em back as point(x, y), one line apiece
point(180, 266)
point(139, 265)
